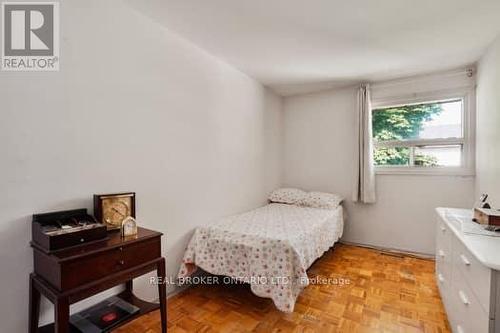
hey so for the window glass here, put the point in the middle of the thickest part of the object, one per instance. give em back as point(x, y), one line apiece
point(450, 156)
point(419, 135)
point(420, 121)
point(392, 156)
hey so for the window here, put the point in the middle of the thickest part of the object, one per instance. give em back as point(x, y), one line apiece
point(423, 137)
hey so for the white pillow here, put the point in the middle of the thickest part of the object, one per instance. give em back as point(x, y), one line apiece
point(321, 200)
point(291, 196)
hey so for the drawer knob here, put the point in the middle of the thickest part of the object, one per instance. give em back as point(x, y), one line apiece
point(82, 240)
point(121, 262)
point(465, 260)
point(441, 253)
point(460, 329)
point(463, 297)
point(440, 278)
point(443, 229)
point(121, 248)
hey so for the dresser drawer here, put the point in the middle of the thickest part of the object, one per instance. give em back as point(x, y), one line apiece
point(442, 282)
point(443, 237)
point(477, 276)
point(444, 286)
point(443, 252)
point(469, 315)
point(102, 264)
point(444, 264)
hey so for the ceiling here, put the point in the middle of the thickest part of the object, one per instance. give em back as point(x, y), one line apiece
point(299, 46)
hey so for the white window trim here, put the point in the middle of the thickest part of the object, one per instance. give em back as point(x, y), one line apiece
point(467, 94)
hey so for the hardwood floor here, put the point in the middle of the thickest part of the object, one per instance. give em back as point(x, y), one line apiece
point(386, 294)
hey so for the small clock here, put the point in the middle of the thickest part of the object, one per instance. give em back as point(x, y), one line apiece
point(129, 227)
point(112, 209)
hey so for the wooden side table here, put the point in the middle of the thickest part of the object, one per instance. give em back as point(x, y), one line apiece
point(70, 275)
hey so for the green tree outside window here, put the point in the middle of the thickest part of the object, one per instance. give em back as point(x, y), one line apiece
point(402, 123)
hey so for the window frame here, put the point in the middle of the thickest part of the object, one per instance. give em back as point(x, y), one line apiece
point(467, 167)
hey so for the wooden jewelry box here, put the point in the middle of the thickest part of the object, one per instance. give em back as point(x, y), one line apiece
point(58, 230)
point(487, 216)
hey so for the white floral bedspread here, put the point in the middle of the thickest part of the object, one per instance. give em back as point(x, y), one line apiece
point(270, 247)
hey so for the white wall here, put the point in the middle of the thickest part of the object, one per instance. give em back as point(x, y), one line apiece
point(134, 108)
point(319, 155)
point(488, 125)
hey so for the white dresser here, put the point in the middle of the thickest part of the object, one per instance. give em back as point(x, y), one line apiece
point(467, 273)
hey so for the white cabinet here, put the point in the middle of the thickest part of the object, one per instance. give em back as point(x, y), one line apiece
point(466, 273)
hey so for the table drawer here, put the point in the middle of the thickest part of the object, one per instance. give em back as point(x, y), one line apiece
point(90, 268)
point(469, 315)
point(102, 264)
point(139, 253)
point(476, 275)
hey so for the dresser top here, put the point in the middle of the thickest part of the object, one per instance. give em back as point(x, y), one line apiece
point(113, 240)
point(486, 249)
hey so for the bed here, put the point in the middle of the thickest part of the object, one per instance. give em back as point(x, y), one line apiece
point(270, 248)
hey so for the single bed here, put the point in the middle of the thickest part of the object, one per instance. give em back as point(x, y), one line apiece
point(270, 247)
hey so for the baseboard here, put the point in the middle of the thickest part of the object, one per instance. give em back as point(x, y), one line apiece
point(392, 251)
point(178, 290)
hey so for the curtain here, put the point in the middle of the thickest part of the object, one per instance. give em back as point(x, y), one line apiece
point(364, 184)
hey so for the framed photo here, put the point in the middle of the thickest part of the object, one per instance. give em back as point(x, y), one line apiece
point(112, 209)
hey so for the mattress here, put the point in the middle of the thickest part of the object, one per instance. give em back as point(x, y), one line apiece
point(270, 247)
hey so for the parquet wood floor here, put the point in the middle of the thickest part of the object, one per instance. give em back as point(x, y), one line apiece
point(386, 294)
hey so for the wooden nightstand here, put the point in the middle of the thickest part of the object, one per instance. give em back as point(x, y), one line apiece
point(70, 275)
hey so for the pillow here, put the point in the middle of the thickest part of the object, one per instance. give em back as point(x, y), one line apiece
point(291, 196)
point(321, 200)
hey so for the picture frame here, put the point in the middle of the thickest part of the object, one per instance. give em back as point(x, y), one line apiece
point(111, 209)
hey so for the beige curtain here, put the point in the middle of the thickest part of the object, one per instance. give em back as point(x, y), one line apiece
point(364, 180)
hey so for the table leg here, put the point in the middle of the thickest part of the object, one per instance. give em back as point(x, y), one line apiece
point(61, 315)
point(34, 310)
point(162, 294)
point(129, 286)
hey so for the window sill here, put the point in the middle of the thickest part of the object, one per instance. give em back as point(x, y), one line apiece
point(424, 171)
